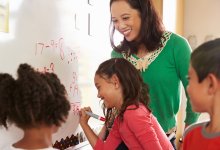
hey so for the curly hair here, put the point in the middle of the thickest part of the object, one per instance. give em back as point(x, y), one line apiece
point(32, 99)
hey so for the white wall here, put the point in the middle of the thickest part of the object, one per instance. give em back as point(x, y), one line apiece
point(202, 19)
point(201, 23)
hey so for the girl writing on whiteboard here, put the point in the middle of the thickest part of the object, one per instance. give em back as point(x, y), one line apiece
point(35, 102)
point(120, 86)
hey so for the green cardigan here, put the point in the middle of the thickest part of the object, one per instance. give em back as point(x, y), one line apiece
point(164, 76)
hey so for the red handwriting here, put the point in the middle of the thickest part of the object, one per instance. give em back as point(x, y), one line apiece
point(64, 51)
point(75, 107)
point(60, 45)
point(54, 45)
point(47, 69)
point(73, 87)
point(72, 57)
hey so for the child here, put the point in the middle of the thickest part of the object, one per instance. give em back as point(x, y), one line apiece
point(204, 92)
point(120, 86)
point(35, 102)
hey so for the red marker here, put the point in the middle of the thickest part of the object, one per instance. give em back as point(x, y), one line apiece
point(95, 116)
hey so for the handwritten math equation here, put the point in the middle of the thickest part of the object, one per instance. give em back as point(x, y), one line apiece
point(66, 55)
point(49, 68)
point(56, 45)
point(75, 107)
point(73, 87)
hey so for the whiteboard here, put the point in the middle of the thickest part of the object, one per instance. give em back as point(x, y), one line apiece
point(67, 37)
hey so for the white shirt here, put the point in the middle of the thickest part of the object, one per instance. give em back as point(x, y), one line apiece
point(13, 148)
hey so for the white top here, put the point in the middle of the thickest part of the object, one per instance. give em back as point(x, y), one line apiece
point(13, 148)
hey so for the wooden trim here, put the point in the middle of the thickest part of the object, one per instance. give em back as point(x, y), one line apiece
point(159, 6)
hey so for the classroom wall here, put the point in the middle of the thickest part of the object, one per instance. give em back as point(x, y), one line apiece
point(201, 21)
point(68, 37)
point(201, 24)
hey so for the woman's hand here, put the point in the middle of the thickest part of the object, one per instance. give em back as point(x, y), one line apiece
point(84, 118)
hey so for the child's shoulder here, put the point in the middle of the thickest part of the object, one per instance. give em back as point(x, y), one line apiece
point(135, 111)
point(193, 127)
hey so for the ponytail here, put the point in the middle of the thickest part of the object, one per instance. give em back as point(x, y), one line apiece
point(7, 87)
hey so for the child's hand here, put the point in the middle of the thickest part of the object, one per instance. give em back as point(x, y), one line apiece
point(83, 116)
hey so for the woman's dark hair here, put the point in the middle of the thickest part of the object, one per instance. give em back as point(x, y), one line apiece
point(206, 59)
point(32, 99)
point(134, 90)
point(151, 28)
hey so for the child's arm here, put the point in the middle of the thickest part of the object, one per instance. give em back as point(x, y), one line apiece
point(91, 136)
point(97, 142)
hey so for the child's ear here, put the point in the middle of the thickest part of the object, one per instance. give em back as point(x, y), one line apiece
point(115, 80)
point(213, 83)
